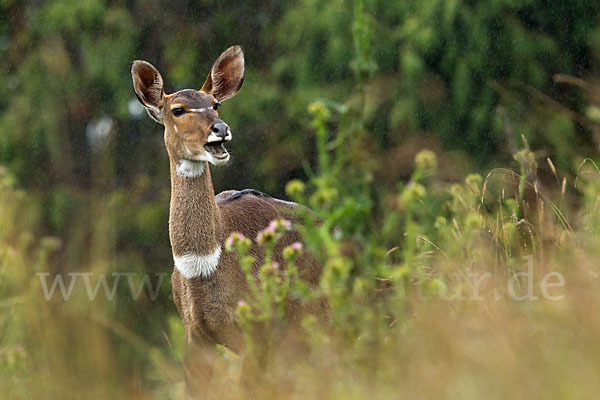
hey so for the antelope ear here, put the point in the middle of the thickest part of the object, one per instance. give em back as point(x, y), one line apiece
point(227, 74)
point(148, 86)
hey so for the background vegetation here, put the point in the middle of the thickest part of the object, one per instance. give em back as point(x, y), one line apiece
point(340, 100)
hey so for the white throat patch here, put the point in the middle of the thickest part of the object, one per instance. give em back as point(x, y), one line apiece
point(189, 169)
point(193, 265)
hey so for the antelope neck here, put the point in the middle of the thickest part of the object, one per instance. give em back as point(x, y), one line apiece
point(194, 222)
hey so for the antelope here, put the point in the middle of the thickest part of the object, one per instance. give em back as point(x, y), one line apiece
point(207, 281)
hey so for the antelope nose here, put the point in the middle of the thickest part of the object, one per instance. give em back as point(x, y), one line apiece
point(221, 130)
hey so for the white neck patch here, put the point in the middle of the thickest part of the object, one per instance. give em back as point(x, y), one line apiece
point(193, 265)
point(189, 169)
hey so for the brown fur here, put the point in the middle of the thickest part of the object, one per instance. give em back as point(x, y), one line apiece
point(214, 299)
point(200, 222)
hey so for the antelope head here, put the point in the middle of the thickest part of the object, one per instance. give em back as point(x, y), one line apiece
point(194, 132)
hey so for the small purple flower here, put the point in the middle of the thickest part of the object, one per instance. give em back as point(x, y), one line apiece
point(290, 252)
point(266, 236)
point(275, 265)
point(233, 239)
point(273, 231)
point(273, 225)
point(241, 303)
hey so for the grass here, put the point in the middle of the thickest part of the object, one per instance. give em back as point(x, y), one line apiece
point(421, 281)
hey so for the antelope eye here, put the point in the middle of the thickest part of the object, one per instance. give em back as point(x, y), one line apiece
point(178, 111)
point(216, 106)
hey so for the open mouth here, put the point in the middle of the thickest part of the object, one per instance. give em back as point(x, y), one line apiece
point(217, 149)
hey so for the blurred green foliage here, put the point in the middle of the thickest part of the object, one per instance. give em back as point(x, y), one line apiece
point(438, 69)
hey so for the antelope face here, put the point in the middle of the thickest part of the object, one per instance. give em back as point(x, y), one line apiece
point(193, 129)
